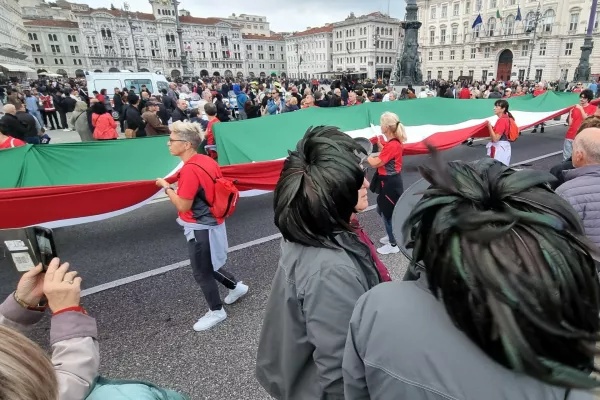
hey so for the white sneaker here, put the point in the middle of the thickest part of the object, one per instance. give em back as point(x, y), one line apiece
point(388, 249)
point(235, 294)
point(384, 240)
point(210, 319)
point(66, 130)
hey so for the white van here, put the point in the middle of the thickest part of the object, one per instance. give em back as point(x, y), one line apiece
point(111, 80)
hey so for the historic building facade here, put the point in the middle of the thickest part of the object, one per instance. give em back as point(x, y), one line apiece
point(15, 50)
point(113, 40)
point(57, 47)
point(309, 53)
point(264, 55)
point(367, 45)
point(502, 46)
point(251, 24)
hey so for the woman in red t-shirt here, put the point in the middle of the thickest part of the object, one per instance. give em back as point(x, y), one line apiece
point(499, 147)
point(387, 182)
point(576, 117)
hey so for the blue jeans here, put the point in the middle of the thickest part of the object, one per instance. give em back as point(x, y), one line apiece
point(388, 229)
point(37, 115)
point(33, 140)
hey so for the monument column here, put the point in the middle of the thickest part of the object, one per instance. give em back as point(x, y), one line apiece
point(409, 71)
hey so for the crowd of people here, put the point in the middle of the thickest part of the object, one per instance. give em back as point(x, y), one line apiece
point(502, 297)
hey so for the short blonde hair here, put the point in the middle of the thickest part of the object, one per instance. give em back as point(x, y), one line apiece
point(189, 131)
point(25, 370)
point(294, 100)
point(392, 121)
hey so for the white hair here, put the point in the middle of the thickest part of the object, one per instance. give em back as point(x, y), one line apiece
point(189, 131)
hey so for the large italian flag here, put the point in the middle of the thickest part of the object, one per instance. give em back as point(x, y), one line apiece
point(68, 184)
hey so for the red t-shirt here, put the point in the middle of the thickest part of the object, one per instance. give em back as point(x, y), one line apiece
point(577, 90)
point(538, 92)
point(391, 155)
point(502, 127)
point(11, 142)
point(195, 184)
point(577, 119)
point(465, 94)
point(100, 98)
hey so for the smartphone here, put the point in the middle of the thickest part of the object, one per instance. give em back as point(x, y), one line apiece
point(44, 247)
point(25, 248)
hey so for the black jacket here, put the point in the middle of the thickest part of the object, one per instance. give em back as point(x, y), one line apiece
point(28, 121)
point(14, 127)
point(222, 112)
point(179, 115)
point(118, 103)
point(135, 121)
point(68, 104)
point(169, 103)
point(163, 114)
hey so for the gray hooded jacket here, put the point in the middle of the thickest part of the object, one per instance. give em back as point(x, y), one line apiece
point(403, 345)
point(306, 320)
point(582, 190)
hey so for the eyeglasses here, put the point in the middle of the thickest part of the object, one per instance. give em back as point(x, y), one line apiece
point(176, 140)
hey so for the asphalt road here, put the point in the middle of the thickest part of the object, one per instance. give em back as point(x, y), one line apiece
point(145, 326)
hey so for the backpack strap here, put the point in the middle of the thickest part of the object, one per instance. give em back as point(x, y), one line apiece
point(213, 179)
point(198, 165)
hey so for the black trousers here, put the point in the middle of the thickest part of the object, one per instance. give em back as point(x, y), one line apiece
point(48, 115)
point(205, 275)
point(63, 119)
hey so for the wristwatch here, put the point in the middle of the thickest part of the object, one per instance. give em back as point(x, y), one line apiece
point(167, 189)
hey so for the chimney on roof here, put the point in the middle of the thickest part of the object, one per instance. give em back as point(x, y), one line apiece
point(308, 28)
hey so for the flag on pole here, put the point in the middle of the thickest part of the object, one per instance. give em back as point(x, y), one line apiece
point(498, 14)
point(301, 59)
point(478, 21)
point(518, 17)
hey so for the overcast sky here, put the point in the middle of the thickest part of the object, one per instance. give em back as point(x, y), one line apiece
point(284, 16)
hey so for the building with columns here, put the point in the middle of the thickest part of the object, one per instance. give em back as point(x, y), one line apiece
point(367, 45)
point(503, 47)
point(15, 50)
point(264, 55)
point(309, 53)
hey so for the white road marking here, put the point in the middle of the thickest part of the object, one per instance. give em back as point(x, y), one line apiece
point(242, 246)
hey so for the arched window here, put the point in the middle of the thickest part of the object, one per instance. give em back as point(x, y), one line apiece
point(50, 37)
point(509, 25)
point(35, 35)
point(529, 21)
point(30, 36)
point(549, 17)
point(491, 26)
point(377, 31)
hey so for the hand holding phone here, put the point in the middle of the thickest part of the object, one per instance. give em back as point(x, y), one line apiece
point(61, 286)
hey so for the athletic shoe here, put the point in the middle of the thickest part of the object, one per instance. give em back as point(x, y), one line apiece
point(210, 319)
point(384, 240)
point(66, 130)
point(235, 294)
point(388, 249)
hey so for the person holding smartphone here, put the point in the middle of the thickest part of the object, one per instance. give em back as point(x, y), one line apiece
point(75, 360)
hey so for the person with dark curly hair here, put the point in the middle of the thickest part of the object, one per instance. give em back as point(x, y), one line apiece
point(324, 267)
point(505, 306)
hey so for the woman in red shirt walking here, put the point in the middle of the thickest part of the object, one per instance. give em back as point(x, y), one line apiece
point(576, 117)
point(388, 181)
